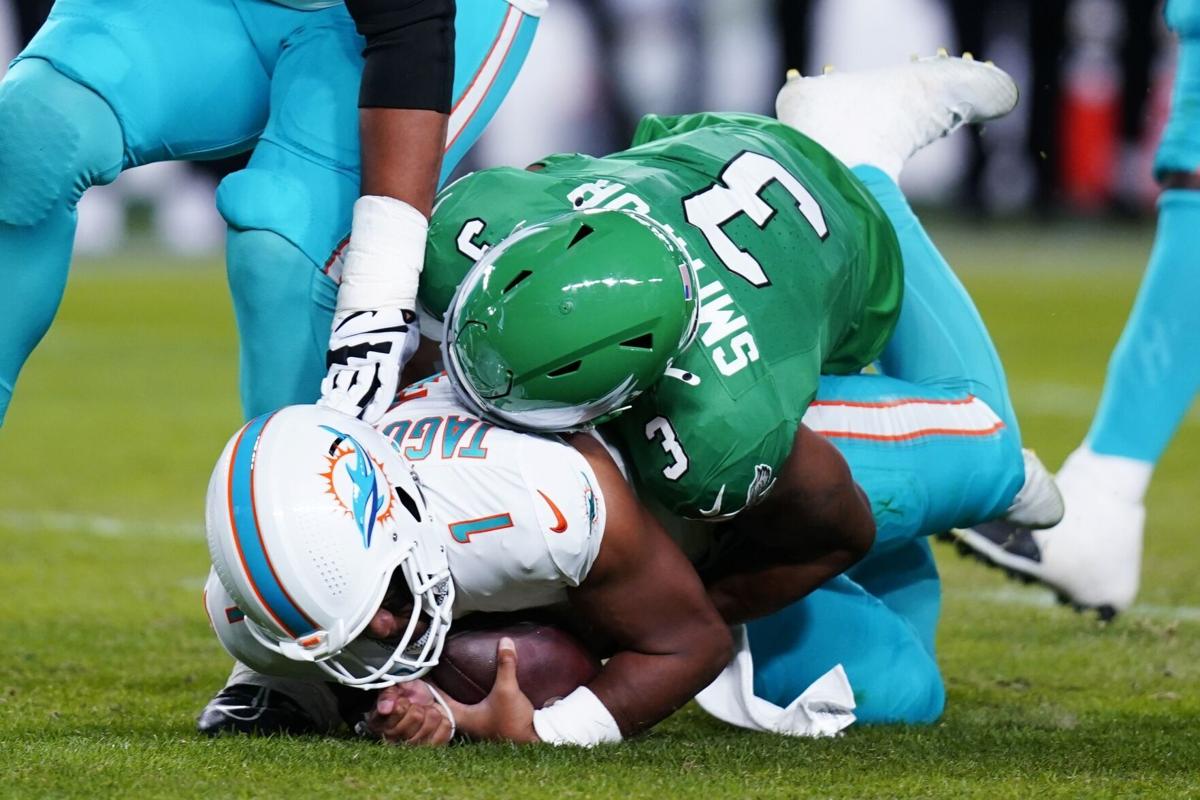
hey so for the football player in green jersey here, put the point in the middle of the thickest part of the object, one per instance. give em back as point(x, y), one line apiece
point(786, 260)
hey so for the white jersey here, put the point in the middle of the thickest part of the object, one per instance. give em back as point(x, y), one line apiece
point(522, 514)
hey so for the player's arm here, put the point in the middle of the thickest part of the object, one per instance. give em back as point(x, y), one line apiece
point(404, 111)
point(815, 523)
point(643, 595)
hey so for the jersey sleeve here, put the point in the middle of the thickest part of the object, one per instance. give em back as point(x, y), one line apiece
point(568, 504)
point(705, 453)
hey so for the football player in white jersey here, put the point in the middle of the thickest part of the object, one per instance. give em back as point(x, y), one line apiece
point(314, 516)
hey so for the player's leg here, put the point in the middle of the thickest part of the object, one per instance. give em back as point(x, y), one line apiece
point(1093, 558)
point(102, 87)
point(930, 458)
point(873, 121)
point(934, 441)
point(57, 137)
point(887, 652)
point(290, 208)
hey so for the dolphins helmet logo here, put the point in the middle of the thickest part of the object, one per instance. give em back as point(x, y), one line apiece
point(358, 484)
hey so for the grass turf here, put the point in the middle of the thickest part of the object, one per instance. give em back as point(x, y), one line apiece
point(107, 656)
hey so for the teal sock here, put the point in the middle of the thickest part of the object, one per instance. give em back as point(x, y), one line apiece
point(1154, 372)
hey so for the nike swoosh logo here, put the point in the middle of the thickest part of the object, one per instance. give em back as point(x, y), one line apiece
point(558, 515)
point(716, 507)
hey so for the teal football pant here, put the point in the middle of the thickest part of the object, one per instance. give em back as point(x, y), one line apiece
point(934, 443)
point(111, 84)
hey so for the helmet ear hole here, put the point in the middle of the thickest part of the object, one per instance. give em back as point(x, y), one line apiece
point(581, 234)
point(643, 342)
point(409, 503)
point(565, 370)
point(520, 276)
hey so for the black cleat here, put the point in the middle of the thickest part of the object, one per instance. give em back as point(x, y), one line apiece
point(254, 710)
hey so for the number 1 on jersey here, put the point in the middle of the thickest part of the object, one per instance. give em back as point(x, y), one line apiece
point(745, 178)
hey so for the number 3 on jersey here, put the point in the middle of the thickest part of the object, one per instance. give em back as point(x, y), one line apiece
point(739, 191)
point(661, 426)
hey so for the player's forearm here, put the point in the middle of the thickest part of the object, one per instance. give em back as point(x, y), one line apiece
point(402, 154)
point(751, 590)
point(642, 689)
point(407, 85)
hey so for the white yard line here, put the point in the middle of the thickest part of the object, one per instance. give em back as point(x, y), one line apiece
point(99, 525)
point(1041, 597)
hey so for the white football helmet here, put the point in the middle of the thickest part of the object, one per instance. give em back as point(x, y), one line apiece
point(310, 512)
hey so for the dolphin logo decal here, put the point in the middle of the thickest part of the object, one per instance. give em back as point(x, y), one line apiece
point(366, 502)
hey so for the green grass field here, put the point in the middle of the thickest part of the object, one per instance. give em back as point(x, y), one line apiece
point(106, 656)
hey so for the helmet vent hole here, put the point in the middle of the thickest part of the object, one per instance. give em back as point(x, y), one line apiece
point(565, 370)
point(520, 276)
point(410, 504)
point(643, 342)
point(581, 234)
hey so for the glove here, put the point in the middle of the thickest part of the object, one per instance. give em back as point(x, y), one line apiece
point(367, 350)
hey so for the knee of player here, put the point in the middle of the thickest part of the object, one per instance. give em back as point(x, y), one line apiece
point(914, 693)
point(57, 138)
point(265, 200)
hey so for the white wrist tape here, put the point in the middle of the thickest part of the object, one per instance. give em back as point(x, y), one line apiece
point(579, 719)
point(384, 259)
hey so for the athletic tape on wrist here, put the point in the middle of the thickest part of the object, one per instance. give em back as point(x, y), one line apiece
point(385, 256)
point(579, 719)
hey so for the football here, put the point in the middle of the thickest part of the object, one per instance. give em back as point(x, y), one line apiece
point(551, 663)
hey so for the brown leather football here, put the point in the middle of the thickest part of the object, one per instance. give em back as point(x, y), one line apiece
point(551, 663)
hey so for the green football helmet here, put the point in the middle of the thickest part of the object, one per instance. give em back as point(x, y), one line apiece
point(561, 325)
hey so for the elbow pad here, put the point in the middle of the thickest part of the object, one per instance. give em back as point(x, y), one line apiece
point(409, 53)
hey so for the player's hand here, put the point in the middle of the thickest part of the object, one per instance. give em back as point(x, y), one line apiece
point(506, 714)
point(407, 713)
point(367, 350)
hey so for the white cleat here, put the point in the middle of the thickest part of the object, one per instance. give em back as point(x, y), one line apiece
point(1092, 559)
point(882, 116)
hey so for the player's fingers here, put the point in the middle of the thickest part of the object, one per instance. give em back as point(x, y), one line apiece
point(406, 726)
point(385, 703)
point(444, 733)
point(506, 666)
point(380, 722)
point(429, 728)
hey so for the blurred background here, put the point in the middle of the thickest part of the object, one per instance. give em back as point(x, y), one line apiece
point(1095, 78)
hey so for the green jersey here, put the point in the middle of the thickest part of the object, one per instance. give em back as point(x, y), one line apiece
point(798, 269)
